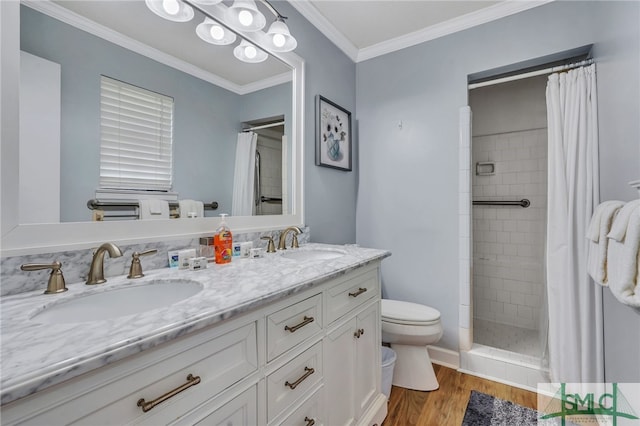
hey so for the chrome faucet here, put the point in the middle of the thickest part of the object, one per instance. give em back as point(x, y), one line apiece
point(282, 243)
point(96, 272)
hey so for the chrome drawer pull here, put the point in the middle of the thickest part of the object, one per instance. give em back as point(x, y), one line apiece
point(310, 422)
point(306, 320)
point(309, 371)
point(359, 333)
point(358, 293)
point(146, 406)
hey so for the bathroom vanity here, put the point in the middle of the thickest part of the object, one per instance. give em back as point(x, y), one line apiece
point(285, 339)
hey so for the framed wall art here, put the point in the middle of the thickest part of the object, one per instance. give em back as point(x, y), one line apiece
point(333, 135)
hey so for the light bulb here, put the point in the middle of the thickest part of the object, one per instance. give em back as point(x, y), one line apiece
point(171, 6)
point(245, 18)
point(279, 40)
point(250, 52)
point(216, 32)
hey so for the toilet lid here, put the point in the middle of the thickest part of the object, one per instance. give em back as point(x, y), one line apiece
point(408, 313)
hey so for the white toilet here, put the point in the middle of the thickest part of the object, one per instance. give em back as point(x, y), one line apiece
point(409, 328)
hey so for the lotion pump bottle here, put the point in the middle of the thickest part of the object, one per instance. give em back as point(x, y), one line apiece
point(223, 242)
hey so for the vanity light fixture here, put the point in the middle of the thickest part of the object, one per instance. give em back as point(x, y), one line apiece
point(214, 33)
point(173, 10)
point(244, 14)
point(280, 39)
point(247, 52)
point(222, 24)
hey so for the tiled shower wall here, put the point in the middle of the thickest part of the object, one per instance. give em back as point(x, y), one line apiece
point(508, 242)
point(509, 130)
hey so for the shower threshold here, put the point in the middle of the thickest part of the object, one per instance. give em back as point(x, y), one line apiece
point(514, 369)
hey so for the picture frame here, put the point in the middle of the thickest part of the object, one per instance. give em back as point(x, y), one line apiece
point(333, 135)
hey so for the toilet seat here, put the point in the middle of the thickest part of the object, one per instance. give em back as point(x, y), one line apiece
point(407, 313)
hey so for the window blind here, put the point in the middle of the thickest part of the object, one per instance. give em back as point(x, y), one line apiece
point(136, 135)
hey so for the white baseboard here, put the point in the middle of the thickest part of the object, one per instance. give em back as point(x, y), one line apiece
point(444, 357)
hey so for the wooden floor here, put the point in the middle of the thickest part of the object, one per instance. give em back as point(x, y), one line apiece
point(446, 406)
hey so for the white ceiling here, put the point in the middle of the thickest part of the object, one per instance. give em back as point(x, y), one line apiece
point(363, 29)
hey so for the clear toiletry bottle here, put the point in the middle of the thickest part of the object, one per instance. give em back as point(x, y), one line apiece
point(223, 242)
point(207, 249)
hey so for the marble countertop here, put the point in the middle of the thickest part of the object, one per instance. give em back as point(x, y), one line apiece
point(35, 356)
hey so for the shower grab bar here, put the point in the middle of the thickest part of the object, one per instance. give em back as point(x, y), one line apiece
point(524, 203)
point(274, 200)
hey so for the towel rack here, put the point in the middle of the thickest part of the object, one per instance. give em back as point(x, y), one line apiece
point(95, 204)
point(113, 209)
point(522, 203)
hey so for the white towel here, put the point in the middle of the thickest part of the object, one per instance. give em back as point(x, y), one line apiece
point(153, 209)
point(624, 262)
point(619, 227)
point(603, 211)
point(597, 236)
point(191, 206)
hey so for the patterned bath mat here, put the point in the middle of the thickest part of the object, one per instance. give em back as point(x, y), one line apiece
point(487, 410)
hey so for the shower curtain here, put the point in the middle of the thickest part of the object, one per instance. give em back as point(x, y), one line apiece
point(243, 177)
point(576, 352)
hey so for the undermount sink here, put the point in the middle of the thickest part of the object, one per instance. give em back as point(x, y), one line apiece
point(314, 254)
point(119, 302)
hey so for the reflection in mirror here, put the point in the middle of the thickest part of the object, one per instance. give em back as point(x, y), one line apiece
point(207, 118)
point(270, 154)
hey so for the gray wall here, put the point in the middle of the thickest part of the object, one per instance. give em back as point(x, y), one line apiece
point(265, 103)
point(617, 51)
point(206, 117)
point(408, 194)
point(330, 195)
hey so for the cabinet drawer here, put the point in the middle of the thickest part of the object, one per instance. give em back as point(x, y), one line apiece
point(110, 395)
point(311, 411)
point(292, 381)
point(219, 363)
point(351, 293)
point(240, 411)
point(292, 325)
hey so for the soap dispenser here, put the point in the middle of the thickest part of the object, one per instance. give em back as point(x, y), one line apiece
point(223, 242)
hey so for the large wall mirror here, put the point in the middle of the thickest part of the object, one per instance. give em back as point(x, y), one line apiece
point(215, 97)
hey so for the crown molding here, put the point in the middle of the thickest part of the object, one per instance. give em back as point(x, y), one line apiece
point(479, 17)
point(325, 26)
point(87, 25)
point(265, 83)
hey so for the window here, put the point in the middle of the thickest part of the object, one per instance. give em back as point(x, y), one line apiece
point(136, 135)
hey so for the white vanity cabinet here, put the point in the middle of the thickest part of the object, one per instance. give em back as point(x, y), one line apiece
point(352, 352)
point(214, 359)
point(310, 358)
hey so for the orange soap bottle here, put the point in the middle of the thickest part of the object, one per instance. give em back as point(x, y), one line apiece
point(223, 242)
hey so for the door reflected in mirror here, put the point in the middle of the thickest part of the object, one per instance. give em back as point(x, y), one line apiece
point(207, 118)
point(269, 190)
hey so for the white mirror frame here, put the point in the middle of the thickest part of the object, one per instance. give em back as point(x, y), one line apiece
point(20, 239)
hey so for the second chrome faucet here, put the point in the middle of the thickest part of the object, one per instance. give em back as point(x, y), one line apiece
point(96, 271)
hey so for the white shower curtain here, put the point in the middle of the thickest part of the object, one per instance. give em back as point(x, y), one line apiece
point(576, 352)
point(243, 177)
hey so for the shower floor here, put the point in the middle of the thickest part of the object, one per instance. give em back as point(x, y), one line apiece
point(507, 337)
